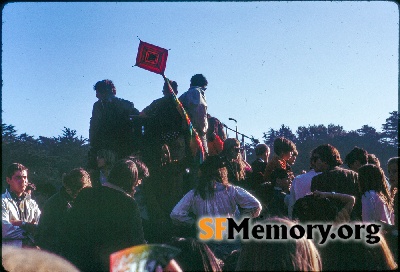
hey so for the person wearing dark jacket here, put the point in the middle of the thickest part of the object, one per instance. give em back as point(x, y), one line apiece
point(334, 178)
point(110, 125)
point(104, 220)
point(52, 224)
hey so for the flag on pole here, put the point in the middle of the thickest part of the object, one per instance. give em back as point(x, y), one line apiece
point(151, 58)
point(196, 145)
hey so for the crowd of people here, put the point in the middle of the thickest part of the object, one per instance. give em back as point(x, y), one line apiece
point(143, 185)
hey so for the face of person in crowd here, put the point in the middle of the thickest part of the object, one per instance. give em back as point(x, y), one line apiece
point(287, 155)
point(100, 95)
point(18, 182)
point(235, 151)
point(103, 95)
point(265, 156)
point(101, 162)
point(355, 166)
point(223, 173)
point(319, 165)
point(393, 170)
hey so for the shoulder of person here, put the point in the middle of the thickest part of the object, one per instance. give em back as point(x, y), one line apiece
point(194, 93)
point(345, 171)
point(84, 194)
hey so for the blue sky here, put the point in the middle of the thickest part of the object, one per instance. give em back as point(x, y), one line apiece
point(267, 63)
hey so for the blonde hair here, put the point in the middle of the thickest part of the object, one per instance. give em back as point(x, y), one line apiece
point(33, 260)
point(293, 254)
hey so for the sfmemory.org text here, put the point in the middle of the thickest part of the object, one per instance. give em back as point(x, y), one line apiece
point(219, 228)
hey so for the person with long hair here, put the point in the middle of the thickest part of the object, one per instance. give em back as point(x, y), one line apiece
point(283, 255)
point(376, 200)
point(195, 255)
point(214, 196)
point(393, 169)
point(234, 162)
point(355, 255)
point(104, 220)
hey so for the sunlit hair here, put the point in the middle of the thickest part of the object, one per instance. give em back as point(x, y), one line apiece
point(329, 154)
point(11, 169)
point(143, 170)
point(212, 170)
point(195, 255)
point(124, 174)
point(283, 255)
point(76, 179)
point(105, 86)
point(283, 145)
point(107, 155)
point(354, 255)
point(372, 159)
point(372, 177)
point(236, 162)
point(393, 160)
point(32, 259)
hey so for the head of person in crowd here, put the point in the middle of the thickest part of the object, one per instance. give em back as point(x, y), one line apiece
point(165, 155)
point(212, 170)
point(124, 174)
point(325, 158)
point(372, 178)
point(105, 89)
point(393, 170)
point(105, 159)
point(262, 151)
point(373, 159)
point(195, 255)
point(198, 80)
point(280, 178)
point(174, 86)
point(32, 259)
point(283, 148)
point(143, 170)
point(358, 255)
point(231, 149)
point(283, 255)
point(293, 158)
point(17, 178)
point(75, 180)
point(312, 208)
point(356, 158)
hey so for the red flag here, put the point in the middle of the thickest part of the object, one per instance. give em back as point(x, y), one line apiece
point(151, 58)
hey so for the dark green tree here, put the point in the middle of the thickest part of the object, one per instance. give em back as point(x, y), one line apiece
point(390, 130)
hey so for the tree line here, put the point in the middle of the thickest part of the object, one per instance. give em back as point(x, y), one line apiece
point(48, 158)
